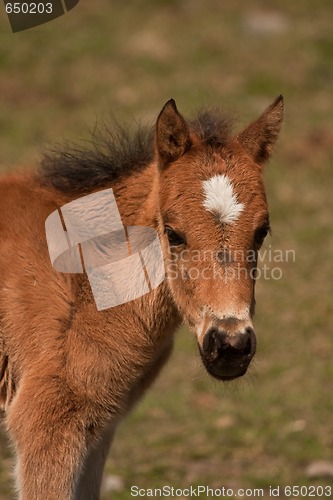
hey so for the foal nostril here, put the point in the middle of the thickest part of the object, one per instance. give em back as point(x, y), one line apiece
point(251, 342)
point(217, 345)
point(243, 341)
point(212, 342)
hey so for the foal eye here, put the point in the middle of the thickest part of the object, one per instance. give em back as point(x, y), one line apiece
point(175, 239)
point(261, 234)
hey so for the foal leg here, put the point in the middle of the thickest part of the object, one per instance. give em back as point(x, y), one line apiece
point(49, 432)
point(89, 484)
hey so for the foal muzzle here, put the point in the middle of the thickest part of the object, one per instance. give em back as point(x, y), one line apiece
point(227, 349)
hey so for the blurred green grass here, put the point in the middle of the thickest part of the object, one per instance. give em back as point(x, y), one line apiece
point(127, 59)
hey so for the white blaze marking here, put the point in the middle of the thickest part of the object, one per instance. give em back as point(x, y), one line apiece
point(220, 199)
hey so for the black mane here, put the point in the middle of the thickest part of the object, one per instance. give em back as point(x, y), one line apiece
point(111, 155)
point(116, 153)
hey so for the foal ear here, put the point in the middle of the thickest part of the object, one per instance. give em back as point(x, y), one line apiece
point(259, 138)
point(172, 134)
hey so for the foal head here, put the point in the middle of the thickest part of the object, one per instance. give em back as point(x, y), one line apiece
point(213, 216)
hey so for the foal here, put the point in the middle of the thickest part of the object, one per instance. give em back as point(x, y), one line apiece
point(68, 372)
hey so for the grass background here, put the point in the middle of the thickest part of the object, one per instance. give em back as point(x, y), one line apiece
point(127, 59)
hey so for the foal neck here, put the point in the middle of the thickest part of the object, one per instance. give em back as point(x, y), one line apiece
point(136, 197)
